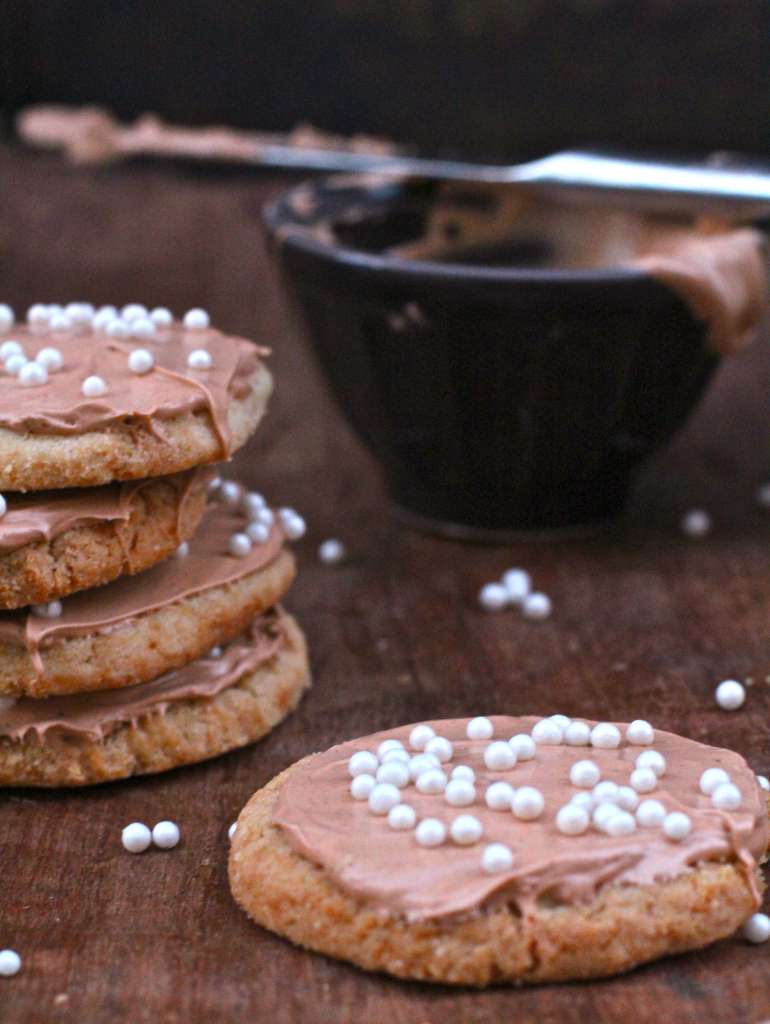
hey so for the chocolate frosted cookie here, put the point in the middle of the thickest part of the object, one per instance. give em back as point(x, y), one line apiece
point(53, 543)
point(505, 849)
point(137, 627)
point(89, 398)
point(225, 700)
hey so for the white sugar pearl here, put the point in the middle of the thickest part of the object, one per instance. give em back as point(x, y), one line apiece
point(183, 550)
point(93, 387)
point(527, 803)
point(696, 523)
point(518, 584)
point(726, 797)
point(605, 736)
point(402, 817)
point(466, 830)
point(60, 323)
point(650, 813)
point(730, 695)
point(499, 796)
point(7, 317)
point(386, 745)
point(265, 516)
point(762, 495)
point(10, 963)
point(620, 824)
point(440, 747)
point(606, 791)
point(394, 773)
point(640, 733)
point(362, 762)
point(200, 359)
point(561, 720)
point(585, 774)
point(493, 597)
point(577, 734)
point(601, 815)
point(572, 820)
point(584, 800)
point(430, 832)
point(479, 729)
point(383, 797)
point(52, 610)
point(239, 545)
point(38, 314)
point(627, 798)
point(4, 509)
point(293, 526)
point(756, 929)
point(50, 358)
point(196, 320)
point(215, 652)
point(161, 317)
point(431, 782)
point(643, 780)
point(232, 830)
point(136, 837)
point(252, 504)
point(230, 493)
point(142, 328)
point(496, 858)
point(141, 361)
point(396, 754)
point(711, 778)
point(361, 786)
point(32, 375)
point(676, 826)
point(499, 757)
point(460, 793)
point(165, 835)
point(133, 311)
point(536, 606)
point(10, 348)
point(117, 328)
point(331, 551)
point(547, 732)
point(523, 746)
point(764, 782)
point(652, 759)
point(14, 364)
point(422, 763)
point(104, 316)
point(462, 771)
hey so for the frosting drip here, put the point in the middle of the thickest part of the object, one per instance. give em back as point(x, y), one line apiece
point(387, 868)
point(95, 715)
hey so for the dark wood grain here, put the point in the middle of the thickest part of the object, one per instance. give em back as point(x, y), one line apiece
point(645, 623)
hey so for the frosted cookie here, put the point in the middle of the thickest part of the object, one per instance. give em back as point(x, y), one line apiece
point(53, 543)
point(88, 398)
point(530, 852)
point(137, 627)
point(225, 700)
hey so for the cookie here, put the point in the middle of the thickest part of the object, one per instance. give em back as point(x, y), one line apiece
point(138, 627)
point(53, 543)
point(480, 875)
point(99, 400)
point(221, 702)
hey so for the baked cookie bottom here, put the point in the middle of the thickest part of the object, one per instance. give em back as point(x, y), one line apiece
point(187, 731)
point(130, 450)
point(90, 555)
point(622, 927)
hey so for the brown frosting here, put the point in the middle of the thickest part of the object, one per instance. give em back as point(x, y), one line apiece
point(388, 869)
point(45, 515)
point(95, 715)
point(171, 389)
point(207, 564)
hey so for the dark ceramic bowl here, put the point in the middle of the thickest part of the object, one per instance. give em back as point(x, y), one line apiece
point(499, 394)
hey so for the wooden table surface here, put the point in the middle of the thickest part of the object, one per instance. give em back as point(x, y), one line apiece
point(645, 623)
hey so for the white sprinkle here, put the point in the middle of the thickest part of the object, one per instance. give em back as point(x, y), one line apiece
point(527, 803)
point(215, 652)
point(402, 817)
point(32, 375)
point(105, 315)
point(200, 359)
point(258, 533)
point(361, 786)
point(499, 796)
point(50, 358)
point(432, 781)
point(142, 328)
point(293, 524)
point(466, 830)
point(136, 837)
point(7, 317)
point(117, 328)
point(13, 364)
point(331, 552)
point(10, 348)
point(460, 793)
point(479, 728)
point(652, 759)
point(230, 493)
point(440, 747)
point(4, 509)
point(561, 720)
point(38, 314)
point(265, 516)
point(252, 504)
point(10, 963)
point(430, 832)
point(730, 695)
point(493, 597)
point(627, 798)
point(605, 736)
point(422, 763)
point(577, 734)
point(536, 606)
point(620, 824)
point(166, 835)
point(650, 813)
point(183, 550)
point(518, 584)
point(572, 820)
point(696, 523)
point(606, 791)
point(711, 778)
point(386, 745)
point(396, 754)
point(133, 311)
point(394, 773)
point(676, 826)
point(726, 797)
point(756, 929)
point(584, 800)
point(161, 317)
point(141, 361)
point(239, 545)
point(232, 830)
point(585, 774)
point(196, 320)
point(499, 756)
point(93, 387)
point(547, 732)
point(383, 797)
point(643, 780)
point(764, 782)
point(603, 813)
point(462, 771)
point(640, 733)
point(52, 610)
point(363, 761)
point(496, 858)
point(60, 323)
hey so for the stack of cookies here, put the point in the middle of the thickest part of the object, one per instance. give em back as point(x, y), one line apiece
point(141, 627)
